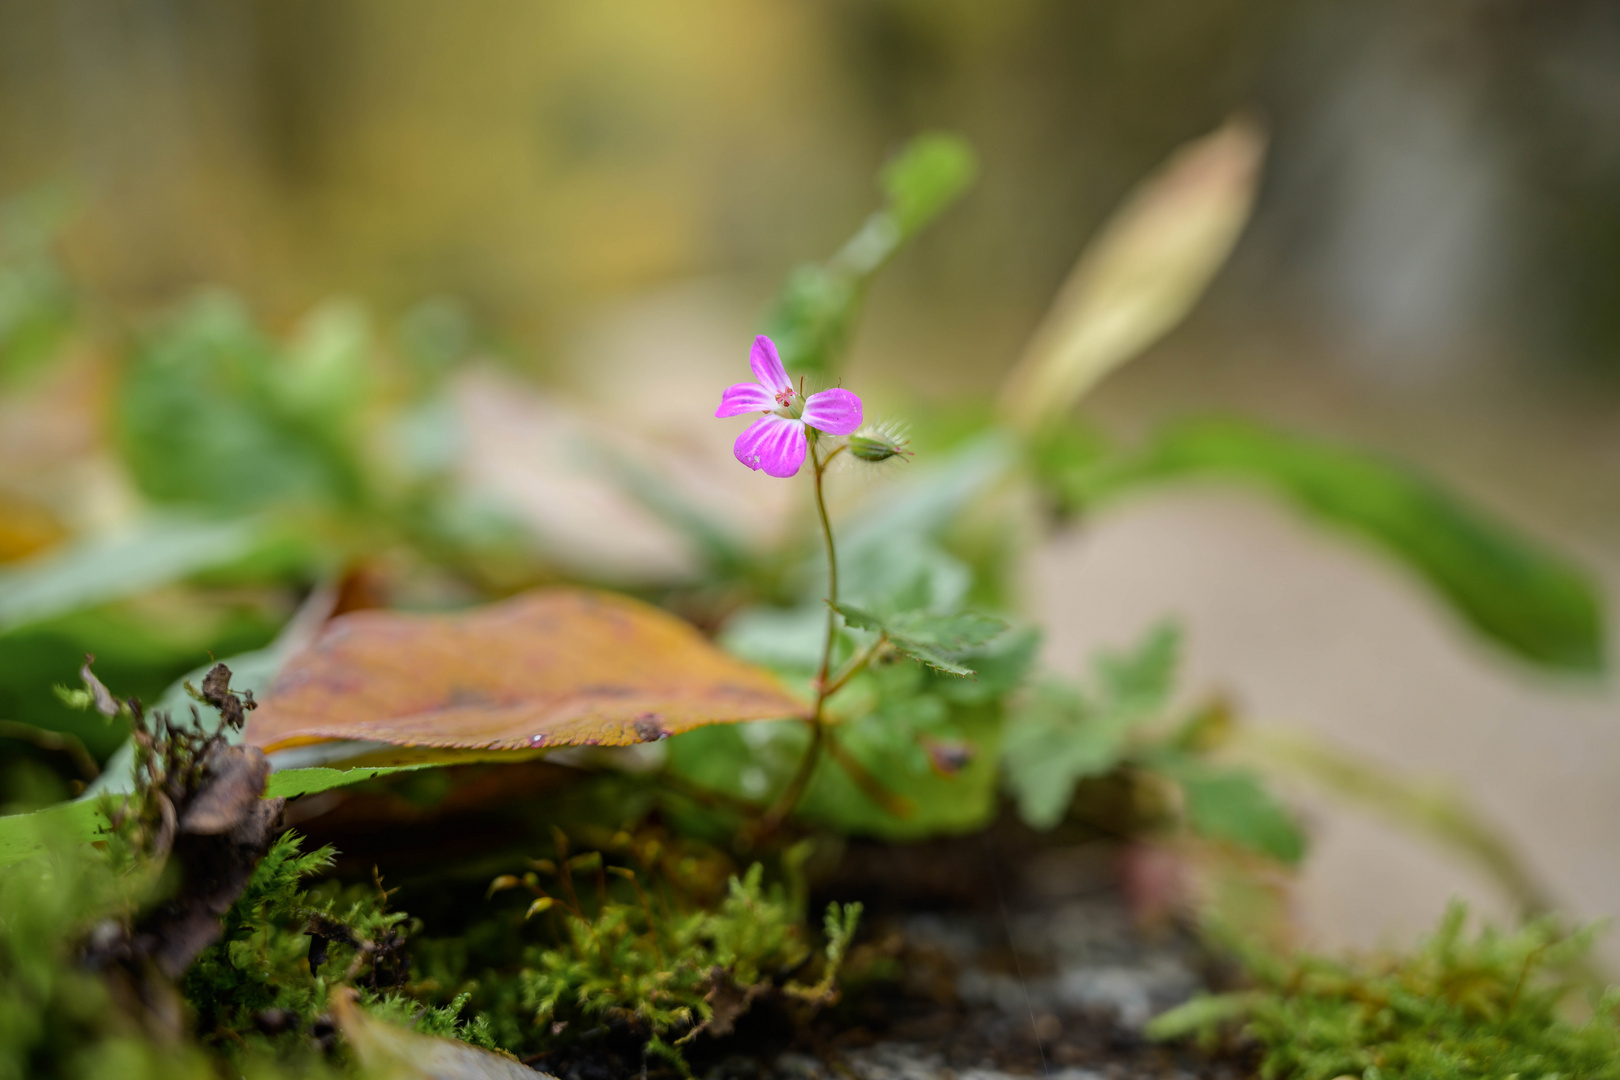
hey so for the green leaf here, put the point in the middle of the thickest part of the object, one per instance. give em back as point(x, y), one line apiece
point(1234, 806)
point(290, 782)
point(913, 712)
point(813, 316)
point(1063, 735)
point(1139, 682)
point(251, 671)
point(153, 551)
point(24, 835)
point(1518, 594)
point(888, 744)
point(935, 640)
point(1002, 667)
point(1053, 743)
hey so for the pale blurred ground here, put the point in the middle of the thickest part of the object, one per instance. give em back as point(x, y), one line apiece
point(1310, 634)
point(616, 189)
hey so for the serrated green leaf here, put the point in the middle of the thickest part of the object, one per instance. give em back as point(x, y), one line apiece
point(1002, 667)
point(935, 640)
point(1515, 592)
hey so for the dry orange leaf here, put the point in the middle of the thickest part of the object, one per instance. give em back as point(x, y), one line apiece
point(554, 667)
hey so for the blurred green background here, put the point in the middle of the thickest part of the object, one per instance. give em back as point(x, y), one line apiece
point(600, 200)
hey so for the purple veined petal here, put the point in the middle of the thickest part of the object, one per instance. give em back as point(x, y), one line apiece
point(768, 367)
point(836, 411)
point(744, 397)
point(776, 444)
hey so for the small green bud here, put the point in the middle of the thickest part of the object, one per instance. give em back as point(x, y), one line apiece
point(878, 442)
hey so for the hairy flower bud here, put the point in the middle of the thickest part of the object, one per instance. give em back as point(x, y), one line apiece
point(878, 442)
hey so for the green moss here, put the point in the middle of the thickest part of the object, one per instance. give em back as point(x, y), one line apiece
point(646, 956)
point(262, 988)
point(1490, 1005)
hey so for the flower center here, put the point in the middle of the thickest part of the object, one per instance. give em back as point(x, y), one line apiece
point(784, 397)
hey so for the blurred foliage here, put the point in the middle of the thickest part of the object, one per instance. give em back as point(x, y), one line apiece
point(816, 311)
point(1063, 735)
point(1141, 275)
point(1520, 595)
point(1456, 1007)
point(58, 1020)
point(934, 640)
point(212, 414)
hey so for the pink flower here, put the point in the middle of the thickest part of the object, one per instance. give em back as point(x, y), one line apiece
point(777, 442)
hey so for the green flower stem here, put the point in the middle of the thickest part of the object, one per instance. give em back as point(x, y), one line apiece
point(812, 754)
point(801, 779)
point(832, 577)
point(898, 805)
point(821, 738)
point(857, 665)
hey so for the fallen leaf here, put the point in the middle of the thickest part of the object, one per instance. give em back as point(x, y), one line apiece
point(390, 1052)
point(555, 667)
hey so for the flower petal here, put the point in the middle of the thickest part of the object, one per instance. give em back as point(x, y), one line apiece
point(836, 411)
point(775, 444)
point(745, 397)
point(768, 366)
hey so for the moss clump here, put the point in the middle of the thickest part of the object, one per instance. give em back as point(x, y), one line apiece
point(639, 963)
point(1457, 1007)
point(264, 984)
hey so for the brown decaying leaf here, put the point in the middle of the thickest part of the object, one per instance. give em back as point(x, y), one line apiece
point(550, 668)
